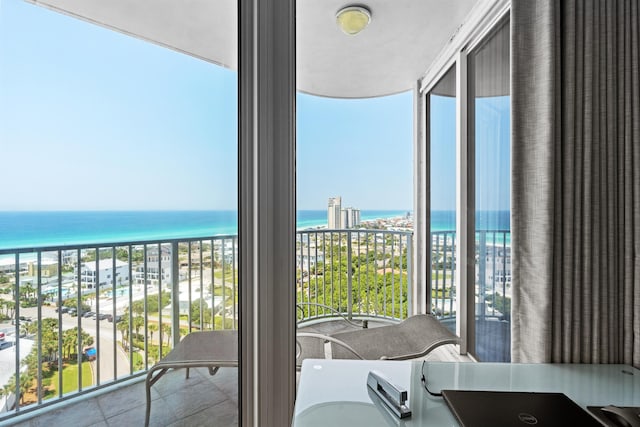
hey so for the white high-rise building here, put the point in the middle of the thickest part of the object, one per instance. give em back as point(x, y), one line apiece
point(350, 217)
point(334, 220)
point(355, 218)
point(344, 218)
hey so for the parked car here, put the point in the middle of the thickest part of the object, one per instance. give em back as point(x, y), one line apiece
point(62, 309)
point(23, 319)
point(110, 318)
point(74, 312)
point(101, 316)
point(90, 353)
point(89, 314)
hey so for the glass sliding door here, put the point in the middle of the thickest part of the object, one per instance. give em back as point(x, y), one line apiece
point(489, 159)
point(441, 112)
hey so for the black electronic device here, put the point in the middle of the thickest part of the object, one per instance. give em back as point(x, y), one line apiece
point(516, 409)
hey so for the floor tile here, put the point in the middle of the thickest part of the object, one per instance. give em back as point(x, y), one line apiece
point(84, 413)
point(161, 415)
point(194, 399)
point(224, 414)
point(122, 400)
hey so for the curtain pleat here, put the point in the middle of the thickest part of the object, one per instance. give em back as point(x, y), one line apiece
point(576, 181)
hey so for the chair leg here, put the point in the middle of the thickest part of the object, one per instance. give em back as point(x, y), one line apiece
point(148, 408)
point(187, 377)
point(148, 382)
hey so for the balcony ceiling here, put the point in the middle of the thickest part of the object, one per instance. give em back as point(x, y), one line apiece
point(403, 38)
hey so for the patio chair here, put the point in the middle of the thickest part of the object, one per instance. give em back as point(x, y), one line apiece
point(414, 337)
point(207, 349)
point(216, 349)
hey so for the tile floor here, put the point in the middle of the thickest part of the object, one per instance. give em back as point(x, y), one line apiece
point(200, 400)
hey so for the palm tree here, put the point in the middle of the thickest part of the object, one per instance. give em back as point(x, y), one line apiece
point(152, 328)
point(166, 327)
point(11, 308)
point(50, 344)
point(69, 342)
point(10, 387)
point(123, 327)
point(31, 361)
point(26, 380)
point(138, 322)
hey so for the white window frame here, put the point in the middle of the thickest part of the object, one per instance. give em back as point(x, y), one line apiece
point(483, 18)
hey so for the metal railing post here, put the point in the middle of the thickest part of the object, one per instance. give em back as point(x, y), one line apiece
point(349, 278)
point(482, 272)
point(409, 275)
point(175, 293)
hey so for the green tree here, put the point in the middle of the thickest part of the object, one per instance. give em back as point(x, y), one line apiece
point(138, 322)
point(26, 382)
point(166, 329)
point(70, 341)
point(152, 327)
point(73, 302)
point(10, 387)
point(123, 327)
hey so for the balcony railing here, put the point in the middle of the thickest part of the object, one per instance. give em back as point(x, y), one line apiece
point(443, 268)
point(492, 289)
point(358, 273)
point(492, 274)
point(78, 318)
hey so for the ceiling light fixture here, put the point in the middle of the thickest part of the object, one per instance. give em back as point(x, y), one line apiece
point(353, 19)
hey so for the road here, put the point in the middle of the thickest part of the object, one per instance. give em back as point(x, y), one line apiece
point(104, 346)
point(105, 343)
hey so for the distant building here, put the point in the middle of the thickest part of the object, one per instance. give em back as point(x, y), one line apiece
point(69, 257)
point(350, 217)
point(104, 274)
point(344, 219)
point(48, 268)
point(334, 212)
point(338, 218)
point(186, 302)
point(158, 267)
point(307, 261)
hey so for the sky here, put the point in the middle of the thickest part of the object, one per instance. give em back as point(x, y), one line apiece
point(91, 119)
point(492, 138)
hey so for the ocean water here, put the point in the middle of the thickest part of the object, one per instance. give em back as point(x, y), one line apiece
point(485, 220)
point(59, 228)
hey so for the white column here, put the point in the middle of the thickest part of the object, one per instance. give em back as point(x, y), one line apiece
point(267, 211)
point(465, 300)
point(421, 230)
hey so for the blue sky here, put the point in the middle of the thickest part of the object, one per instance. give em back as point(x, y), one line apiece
point(493, 173)
point(93, 119)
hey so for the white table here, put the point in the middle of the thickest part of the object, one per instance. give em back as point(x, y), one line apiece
point(334, 393)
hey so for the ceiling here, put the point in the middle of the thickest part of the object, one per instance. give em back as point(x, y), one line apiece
point(387, 57)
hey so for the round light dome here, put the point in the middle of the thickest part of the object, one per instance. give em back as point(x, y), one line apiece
point(353, 19)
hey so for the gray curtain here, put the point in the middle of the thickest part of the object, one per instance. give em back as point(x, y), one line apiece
point(576, 181)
